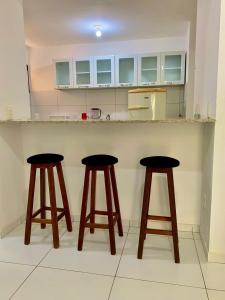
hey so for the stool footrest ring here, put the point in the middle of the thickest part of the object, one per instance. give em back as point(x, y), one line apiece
point(159, 231)
point(159, 218)
point(99, 225)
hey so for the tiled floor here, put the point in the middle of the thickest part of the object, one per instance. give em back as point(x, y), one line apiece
point(39, 272)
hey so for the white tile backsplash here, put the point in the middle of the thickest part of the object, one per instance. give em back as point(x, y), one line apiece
point(72, 97)
point(174, 95)
point(74, 111)
point(111, 101)
point(174, 110)
point(102, 96)
point(44, 97)
point(122, 96)
point(42, 112)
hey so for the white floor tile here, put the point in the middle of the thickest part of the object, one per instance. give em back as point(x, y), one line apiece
point(94, 258)
point(214, 273)
point(216, 295)
point(158, 261)
point(136, 289)
point(12, 248)
point(11, 277)
point(53, 284)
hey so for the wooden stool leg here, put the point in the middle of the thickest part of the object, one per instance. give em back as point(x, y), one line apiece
point(173, 214)
point(93, 196)
point(144, 215)
point(64, 197)
point(109, 210)
point(116, 200)
point(83, 209)
point(43, 196)
point(30, 205)
point(55, 229)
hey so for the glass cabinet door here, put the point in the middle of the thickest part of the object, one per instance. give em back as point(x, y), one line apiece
point(126, 71)
point(149, 70)
point(173, 68)
point(63, 74)
point(83, 72)
point(104, 71)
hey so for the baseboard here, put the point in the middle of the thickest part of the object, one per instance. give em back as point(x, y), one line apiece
point(163, 225)
point(216, 257)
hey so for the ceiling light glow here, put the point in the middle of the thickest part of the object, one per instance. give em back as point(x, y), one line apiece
point(98, 31)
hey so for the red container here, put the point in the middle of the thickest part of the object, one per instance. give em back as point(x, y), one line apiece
point(84, 116)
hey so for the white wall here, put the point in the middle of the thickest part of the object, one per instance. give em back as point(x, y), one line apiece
point(206, 57)
point(217, 236)
point(129, 142)
point(210, 88)
point(12, 183)
point(14, 94)
point(13, 78)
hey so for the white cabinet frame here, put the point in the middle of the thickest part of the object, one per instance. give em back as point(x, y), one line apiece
point(112, 59)
point(183, 62)
point(62, 86)
point(117, 71)
point(90, 59)
point(150, 83)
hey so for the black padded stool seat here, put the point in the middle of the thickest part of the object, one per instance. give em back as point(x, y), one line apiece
point(45, 158)
point(159, 162)
point(99, 160)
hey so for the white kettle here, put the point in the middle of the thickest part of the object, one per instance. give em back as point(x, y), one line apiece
point(96, 113)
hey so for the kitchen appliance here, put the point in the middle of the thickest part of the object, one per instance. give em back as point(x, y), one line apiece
point(147, 104)
point(95, 113)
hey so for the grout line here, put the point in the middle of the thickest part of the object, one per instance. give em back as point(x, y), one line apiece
point(200, 266)
point(16, 263)
point(76, 271)
point(162, 282)
point(13, 294)
point(216, 290)
point(118, 264)
point(30, 274)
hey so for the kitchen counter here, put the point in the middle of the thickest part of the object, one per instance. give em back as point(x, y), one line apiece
point(183, 120)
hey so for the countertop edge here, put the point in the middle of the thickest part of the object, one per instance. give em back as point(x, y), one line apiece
point(191, 121)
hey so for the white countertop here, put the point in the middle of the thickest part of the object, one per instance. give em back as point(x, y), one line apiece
point(182, 120)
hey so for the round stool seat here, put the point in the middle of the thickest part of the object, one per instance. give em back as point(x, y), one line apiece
point(45, 158)
point(159, 162)
point(99, 160)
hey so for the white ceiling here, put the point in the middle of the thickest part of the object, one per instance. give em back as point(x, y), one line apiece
point(58, 22)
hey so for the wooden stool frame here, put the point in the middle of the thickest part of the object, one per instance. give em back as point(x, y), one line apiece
point(145, 216)
point(113, 217)
point(55, 217)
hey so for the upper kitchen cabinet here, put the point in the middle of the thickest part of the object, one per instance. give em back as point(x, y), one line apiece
point(126, 70)
point(149, 70)
point(63, 74)
point(173, 68)
point(104, 71)
point(83, 73)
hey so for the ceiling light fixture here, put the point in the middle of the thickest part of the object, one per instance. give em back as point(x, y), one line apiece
point(98, 31)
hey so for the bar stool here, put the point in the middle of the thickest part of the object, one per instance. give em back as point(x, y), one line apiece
point(159, 164)
point(106, 164)
point(47, 161)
